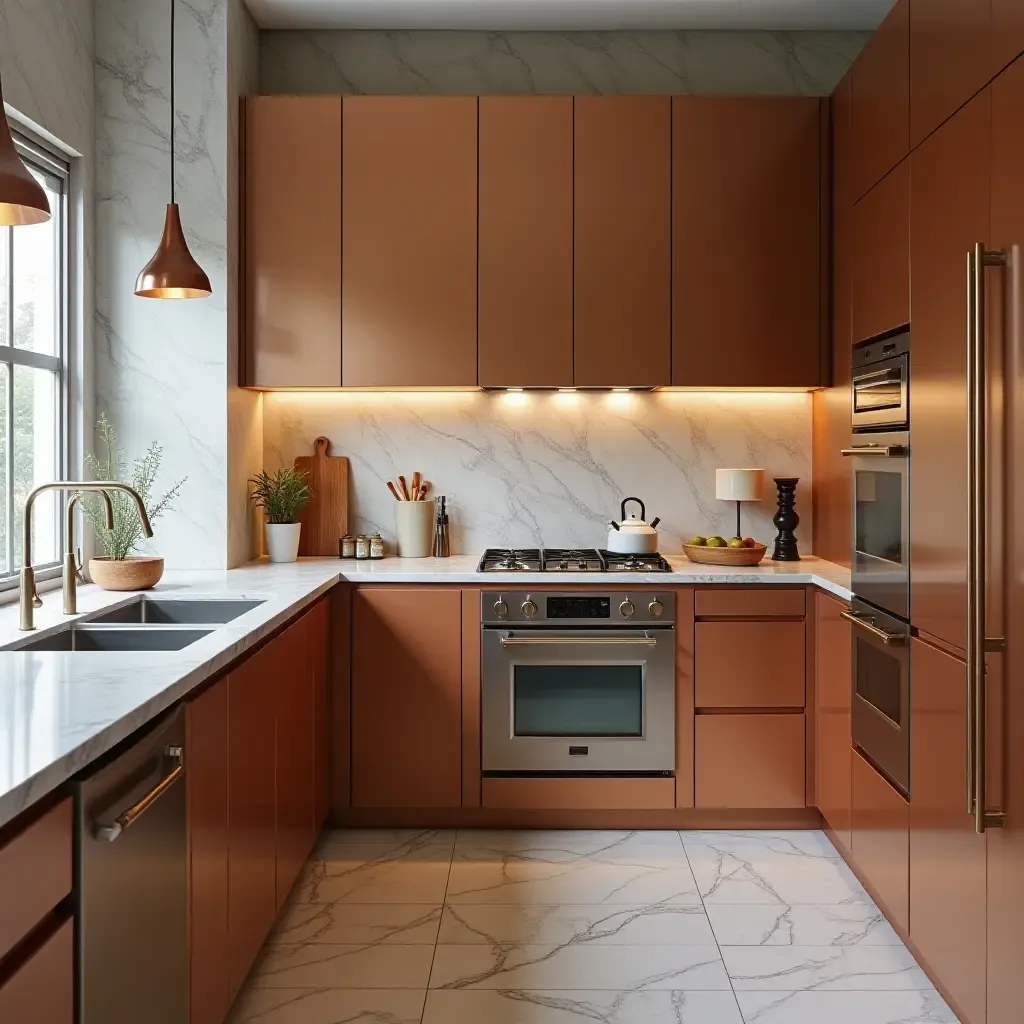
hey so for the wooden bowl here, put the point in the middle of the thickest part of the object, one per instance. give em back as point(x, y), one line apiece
point(137, 572)
point(725, 556)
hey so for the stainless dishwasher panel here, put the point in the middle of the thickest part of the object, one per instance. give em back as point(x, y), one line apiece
point(131, 867)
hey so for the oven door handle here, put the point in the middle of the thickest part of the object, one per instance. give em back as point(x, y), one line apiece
point(891, 639)
point(878, 379)
point(582, 641)
point(888, 451)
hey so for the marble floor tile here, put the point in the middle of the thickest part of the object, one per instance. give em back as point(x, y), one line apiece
point(553, 844)
point(741, 874)
point(858, 924)
point(519, 1006)
point(793, 842)
point(926, 1007)
point(846, 968)
point(508, 925)
point(573, 966)
point(358, 923)
point(328, 1006)
point(376, 873)
point(322, 965)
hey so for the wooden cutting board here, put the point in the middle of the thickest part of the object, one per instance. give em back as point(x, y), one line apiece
point(325, 519)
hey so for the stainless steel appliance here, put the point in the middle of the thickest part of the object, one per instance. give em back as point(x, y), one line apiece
point(881, 690)
point(569, 560)
point(130, 863)
point(578, 683)
point(881, 384)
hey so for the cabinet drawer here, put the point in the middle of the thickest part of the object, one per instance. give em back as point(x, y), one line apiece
point(579, 794)
point(749, 664)
point(748, 761)
point(42, 989)
point(748, 602)
point(35, 874)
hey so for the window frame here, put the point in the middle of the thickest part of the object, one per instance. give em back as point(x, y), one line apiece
point(38, 155)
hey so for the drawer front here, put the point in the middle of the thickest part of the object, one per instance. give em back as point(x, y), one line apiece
point(750, 761)
point(749, 664)
point(579, 794)
point(749, 602)
point(35, 874)
point(42, 989)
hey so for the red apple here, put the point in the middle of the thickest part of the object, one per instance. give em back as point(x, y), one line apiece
point(749, 542)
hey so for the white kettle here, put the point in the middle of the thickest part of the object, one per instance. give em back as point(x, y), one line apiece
point(633, 536)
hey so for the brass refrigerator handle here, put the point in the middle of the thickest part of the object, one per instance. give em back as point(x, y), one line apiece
point(978, 259)
point(891, 639)
point(528, 641)
point(124, 821)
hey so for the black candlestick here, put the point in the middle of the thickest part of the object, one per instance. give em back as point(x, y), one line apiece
point(786, 519)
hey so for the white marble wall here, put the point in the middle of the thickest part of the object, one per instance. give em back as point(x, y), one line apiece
point(784, 63)
point(522, 468)
point(164, 369)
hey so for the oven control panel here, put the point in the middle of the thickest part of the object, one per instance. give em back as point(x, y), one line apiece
point(591, 609)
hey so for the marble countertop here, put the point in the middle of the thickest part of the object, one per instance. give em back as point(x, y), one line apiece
point(60, 711)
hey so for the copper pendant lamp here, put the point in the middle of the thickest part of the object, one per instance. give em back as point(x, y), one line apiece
point(22, 199)
point(172, 273)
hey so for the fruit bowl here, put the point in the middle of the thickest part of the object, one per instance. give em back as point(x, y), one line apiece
point(725, 556)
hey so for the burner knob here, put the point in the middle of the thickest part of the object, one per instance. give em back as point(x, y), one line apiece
point(500, 608)
point(626, 609)
point(529, 608)
point(656, 608)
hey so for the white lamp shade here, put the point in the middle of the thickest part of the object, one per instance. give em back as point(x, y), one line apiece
point(739, 484)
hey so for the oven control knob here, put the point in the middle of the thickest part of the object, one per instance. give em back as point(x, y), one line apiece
point(656, 608)
point(500, 608)
point(626, 609)
point(529, 608)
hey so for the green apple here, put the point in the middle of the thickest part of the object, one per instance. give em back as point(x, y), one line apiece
point(698, 541)
point(716, 542)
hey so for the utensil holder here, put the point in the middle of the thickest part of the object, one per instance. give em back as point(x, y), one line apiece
point(414, 526)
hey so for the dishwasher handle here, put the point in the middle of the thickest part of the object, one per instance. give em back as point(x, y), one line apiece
point(124, 821)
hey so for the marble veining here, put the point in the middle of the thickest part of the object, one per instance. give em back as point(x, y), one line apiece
point(540, 467)
point(777, 63)
point(538, 956)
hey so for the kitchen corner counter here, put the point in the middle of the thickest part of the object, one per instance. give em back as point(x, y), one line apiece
point(60, 711)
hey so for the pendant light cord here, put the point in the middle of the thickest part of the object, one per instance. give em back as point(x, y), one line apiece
point(172, 101)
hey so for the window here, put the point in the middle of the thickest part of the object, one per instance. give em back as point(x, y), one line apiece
point(33, 346)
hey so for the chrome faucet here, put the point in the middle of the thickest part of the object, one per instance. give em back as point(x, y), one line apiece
point(29, 596)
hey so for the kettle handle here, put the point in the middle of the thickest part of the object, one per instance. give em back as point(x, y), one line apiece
point(625, 501)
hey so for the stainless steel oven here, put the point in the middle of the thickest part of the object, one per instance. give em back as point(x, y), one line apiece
point(578, 683)
point(881, 690)
point(881, 384)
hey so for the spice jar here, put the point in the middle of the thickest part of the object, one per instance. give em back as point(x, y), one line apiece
point(347, 546)
point(376, 546)
point(362, 546)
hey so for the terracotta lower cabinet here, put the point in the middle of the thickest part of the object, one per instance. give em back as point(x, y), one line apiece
point(622, 241)
point(881, 256)
point(1007, 32)
point(407, 697)
point(409, 241)
point(749, 761)
point(320, 643)
point(746, 242)
point(832, 648)
point(43, 988)
point(947, 858)
point(881, 840)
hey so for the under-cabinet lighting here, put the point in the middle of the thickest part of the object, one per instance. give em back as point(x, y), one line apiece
point(512, 390)
point(567, 391)
point(620, 391)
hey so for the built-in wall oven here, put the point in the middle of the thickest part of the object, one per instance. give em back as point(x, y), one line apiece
point(578, 683)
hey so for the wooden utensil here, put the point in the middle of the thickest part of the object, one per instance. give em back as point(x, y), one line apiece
point(404, 487)
point(325, 518)
point(394, 490)
point(416, 485)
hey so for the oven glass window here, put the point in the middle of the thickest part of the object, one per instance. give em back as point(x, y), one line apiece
point(578, 700)
point(879, 515)
point(878, 393)
point(878, 680)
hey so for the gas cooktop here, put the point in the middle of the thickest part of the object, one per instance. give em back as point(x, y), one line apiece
point(568, 560)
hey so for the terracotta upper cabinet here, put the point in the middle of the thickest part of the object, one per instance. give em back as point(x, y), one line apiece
point(841, 122)
point(292, 241)
point(622, 241)
point(525, 239)
point(1007, 32)
point(409, 253)
point(950, 187)
point(881, 100)
point(746, 242)
point(950, 59)
point(881, 256)
point(407, 697)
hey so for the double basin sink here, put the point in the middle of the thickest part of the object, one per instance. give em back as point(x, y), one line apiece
point(145, 624)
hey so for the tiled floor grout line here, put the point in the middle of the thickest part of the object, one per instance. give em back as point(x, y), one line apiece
point(440, 921)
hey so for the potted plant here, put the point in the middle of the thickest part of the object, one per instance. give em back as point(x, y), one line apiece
point(119, 568)
point(281, 495)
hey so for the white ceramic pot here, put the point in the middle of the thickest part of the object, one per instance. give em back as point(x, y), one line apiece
point(283, 541)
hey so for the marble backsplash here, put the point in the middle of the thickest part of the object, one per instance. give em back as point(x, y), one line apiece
point(520, 468)
point(714, 63)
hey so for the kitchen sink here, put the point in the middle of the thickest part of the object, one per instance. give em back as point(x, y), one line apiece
point(178, 611)
point(85, 637)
